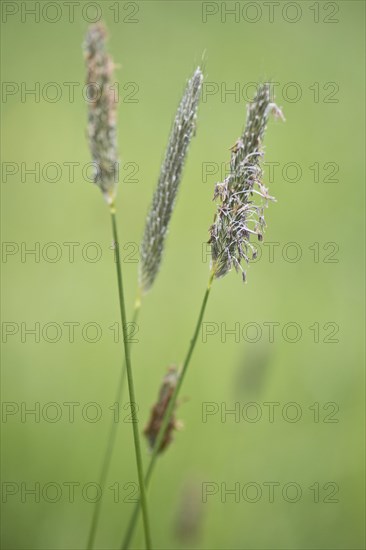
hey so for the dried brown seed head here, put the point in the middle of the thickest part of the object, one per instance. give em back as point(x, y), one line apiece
point(158, 411)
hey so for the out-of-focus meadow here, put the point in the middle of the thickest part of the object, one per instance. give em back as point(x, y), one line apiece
point(283, 353)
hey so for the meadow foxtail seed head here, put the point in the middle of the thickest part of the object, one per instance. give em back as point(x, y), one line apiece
point(102, 111)
point(242, 195)
point(161, 209)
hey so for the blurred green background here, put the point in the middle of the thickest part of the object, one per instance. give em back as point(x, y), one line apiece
point(157, 53)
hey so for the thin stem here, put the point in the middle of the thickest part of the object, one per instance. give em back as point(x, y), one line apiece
point(167, 415)
point(110, 445)
point(131, 388)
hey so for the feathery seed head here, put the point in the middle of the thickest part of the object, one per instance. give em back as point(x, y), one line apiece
point(102, 130)
point(242, 194)
point(167, 188)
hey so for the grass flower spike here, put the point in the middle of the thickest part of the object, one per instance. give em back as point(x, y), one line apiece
point(170, 176)
point(103, 145)
point(102, 111)
point(158, 411)
point(242, 194)
point(240, 215)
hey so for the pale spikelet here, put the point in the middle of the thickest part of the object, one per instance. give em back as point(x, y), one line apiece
point(102, 111)
point(242, 194)
point(170, 176)
point(158, 411)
